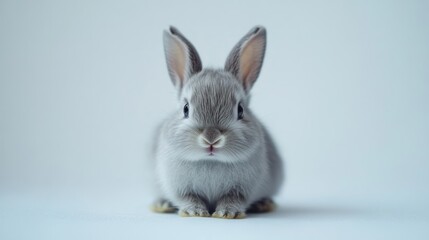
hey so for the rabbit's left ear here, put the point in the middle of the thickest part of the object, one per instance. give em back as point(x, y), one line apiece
point(246, 58)
point(182, 58)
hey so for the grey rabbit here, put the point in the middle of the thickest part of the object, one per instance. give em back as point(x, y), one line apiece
point(213, 157)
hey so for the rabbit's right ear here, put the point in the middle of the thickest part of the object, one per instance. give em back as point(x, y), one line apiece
point(183, 60)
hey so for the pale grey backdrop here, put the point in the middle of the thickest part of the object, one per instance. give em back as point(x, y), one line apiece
point(344, 90)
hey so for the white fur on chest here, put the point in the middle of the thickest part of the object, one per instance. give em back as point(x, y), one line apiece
point(208, 178)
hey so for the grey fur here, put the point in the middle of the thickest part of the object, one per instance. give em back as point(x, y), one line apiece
point(244, 168)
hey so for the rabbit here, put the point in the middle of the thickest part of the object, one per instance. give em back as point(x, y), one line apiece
point(213, 157)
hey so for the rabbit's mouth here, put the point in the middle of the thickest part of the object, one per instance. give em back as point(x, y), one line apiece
point(211, 150)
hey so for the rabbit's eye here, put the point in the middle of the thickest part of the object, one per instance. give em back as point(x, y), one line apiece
point(186, 110)
point(240, 111)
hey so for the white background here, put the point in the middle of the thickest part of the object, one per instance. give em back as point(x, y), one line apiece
point(344, 90)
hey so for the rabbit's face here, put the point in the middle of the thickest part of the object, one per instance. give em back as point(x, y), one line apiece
point(213, 119)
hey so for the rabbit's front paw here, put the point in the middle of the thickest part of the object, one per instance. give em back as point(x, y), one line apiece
point(194, 211)
point(229, 213)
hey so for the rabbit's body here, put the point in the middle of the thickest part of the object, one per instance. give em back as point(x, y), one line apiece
point(257, 173)
point(213, 154)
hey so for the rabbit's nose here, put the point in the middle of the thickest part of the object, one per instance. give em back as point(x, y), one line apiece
point(211, 137)
point(217, 142)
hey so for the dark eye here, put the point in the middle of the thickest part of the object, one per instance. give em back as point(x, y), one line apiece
point(186, 110)
point(240, 111)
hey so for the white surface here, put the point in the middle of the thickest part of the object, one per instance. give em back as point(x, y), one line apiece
point(297, 219)
point(344, 90)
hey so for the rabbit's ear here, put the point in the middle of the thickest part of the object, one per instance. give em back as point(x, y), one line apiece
point(245, 59)
point(182, 59)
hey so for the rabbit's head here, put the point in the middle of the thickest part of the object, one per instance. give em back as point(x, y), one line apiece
point(213, 120)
